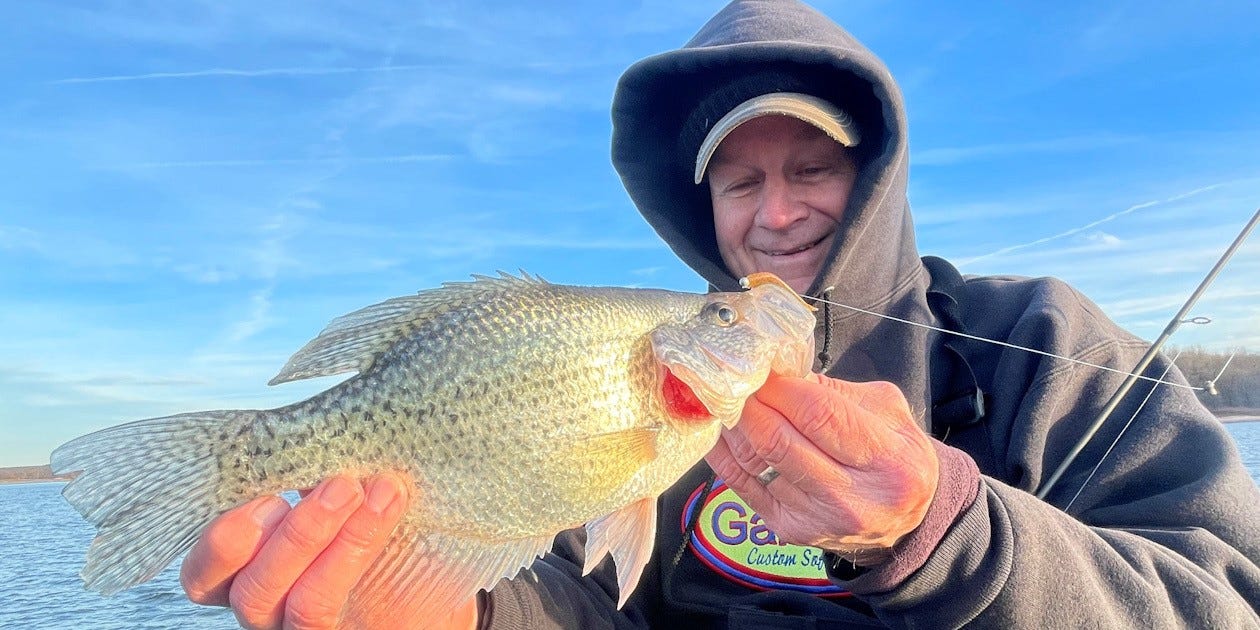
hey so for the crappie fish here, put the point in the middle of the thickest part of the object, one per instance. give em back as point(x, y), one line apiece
point(519, 409)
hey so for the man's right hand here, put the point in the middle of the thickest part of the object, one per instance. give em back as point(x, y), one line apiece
point(281, 567)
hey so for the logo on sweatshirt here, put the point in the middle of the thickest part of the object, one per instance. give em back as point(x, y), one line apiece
point(732, 540)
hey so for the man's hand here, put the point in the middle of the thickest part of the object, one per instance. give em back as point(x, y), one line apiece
point(856, 473)
point(278, 567)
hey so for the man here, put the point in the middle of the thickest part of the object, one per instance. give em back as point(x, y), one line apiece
point(898, 488)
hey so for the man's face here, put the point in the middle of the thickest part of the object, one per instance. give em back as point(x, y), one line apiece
point(779, 187)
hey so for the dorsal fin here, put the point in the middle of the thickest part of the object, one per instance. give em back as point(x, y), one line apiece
point(353, 341)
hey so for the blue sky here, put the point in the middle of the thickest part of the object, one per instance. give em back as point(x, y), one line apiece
point(193, 189)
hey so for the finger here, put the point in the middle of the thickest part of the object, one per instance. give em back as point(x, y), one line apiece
point(258, 592)
point(875, 396)
point(320, 594)
point(787, 487)
point(849, 422)
point(749, 456)
point(226, 546)
point(465, 616)
point(766, 437)
point(880, 398)
point(737, 477)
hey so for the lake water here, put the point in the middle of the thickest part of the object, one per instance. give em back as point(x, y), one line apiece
point(42, 542)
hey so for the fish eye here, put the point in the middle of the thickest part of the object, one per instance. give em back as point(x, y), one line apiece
point(723, 313)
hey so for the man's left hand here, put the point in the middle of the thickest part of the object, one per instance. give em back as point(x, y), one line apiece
point(856, 473)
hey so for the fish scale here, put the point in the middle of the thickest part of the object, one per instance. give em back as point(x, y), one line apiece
point(519, 409)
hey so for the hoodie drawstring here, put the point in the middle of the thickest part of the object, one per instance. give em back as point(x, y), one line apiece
point(692, 522)
point(824, 357)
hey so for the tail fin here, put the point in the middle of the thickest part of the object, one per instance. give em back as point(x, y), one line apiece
point(149, 487)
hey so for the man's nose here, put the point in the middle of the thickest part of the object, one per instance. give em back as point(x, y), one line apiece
point(778, 209)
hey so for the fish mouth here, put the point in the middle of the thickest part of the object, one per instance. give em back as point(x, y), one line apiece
point(718, 384)
point(723, 363)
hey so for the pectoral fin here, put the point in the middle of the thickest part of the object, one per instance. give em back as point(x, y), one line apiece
point(611, 459)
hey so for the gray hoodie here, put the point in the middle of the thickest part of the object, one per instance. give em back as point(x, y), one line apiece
point(1163, 534)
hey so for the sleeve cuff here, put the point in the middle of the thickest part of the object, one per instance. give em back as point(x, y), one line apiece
point(506, 606)
point(956, 489)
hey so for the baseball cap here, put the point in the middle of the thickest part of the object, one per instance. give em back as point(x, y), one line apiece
point(811, 109)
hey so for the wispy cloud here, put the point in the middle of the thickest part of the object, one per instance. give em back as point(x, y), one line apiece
point(270, 258)
point(71, 249)
point(16, 237)
point(256, 319)
point(1102, 239)
point(646, 272)
point(1089, 226)
point(233, 72)
point(984, 212)
point(48, 388)
point(308, 71)
point(330, 161)
point(29, 375)
point(201, 273)
point(954, 155)
point(1222, 299)
point(463, 244)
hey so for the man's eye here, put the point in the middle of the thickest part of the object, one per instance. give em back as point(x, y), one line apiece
point(740, 187)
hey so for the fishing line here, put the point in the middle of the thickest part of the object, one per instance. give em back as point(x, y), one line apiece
point(1117, 440)
point(1157, 381)
point(1211, 385)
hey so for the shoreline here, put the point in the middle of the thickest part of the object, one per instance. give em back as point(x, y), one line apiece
point(18, 482)
point(1233, 419)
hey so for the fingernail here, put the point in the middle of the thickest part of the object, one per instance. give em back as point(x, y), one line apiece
point(382, 493)
point(338, 493)
point(269, 513)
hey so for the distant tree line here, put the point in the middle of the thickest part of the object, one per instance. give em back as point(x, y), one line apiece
point(20, 473)
point(1238, 389)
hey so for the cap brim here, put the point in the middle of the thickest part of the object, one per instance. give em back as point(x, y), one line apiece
point(820, 113)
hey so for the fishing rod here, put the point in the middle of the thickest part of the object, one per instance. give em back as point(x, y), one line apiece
point(1146, 359)
point(1131, 377)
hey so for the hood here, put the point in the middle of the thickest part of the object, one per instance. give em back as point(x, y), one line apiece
point(661, 113)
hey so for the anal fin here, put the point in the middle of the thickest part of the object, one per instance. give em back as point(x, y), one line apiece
point(420, 578)
point(628, 534)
